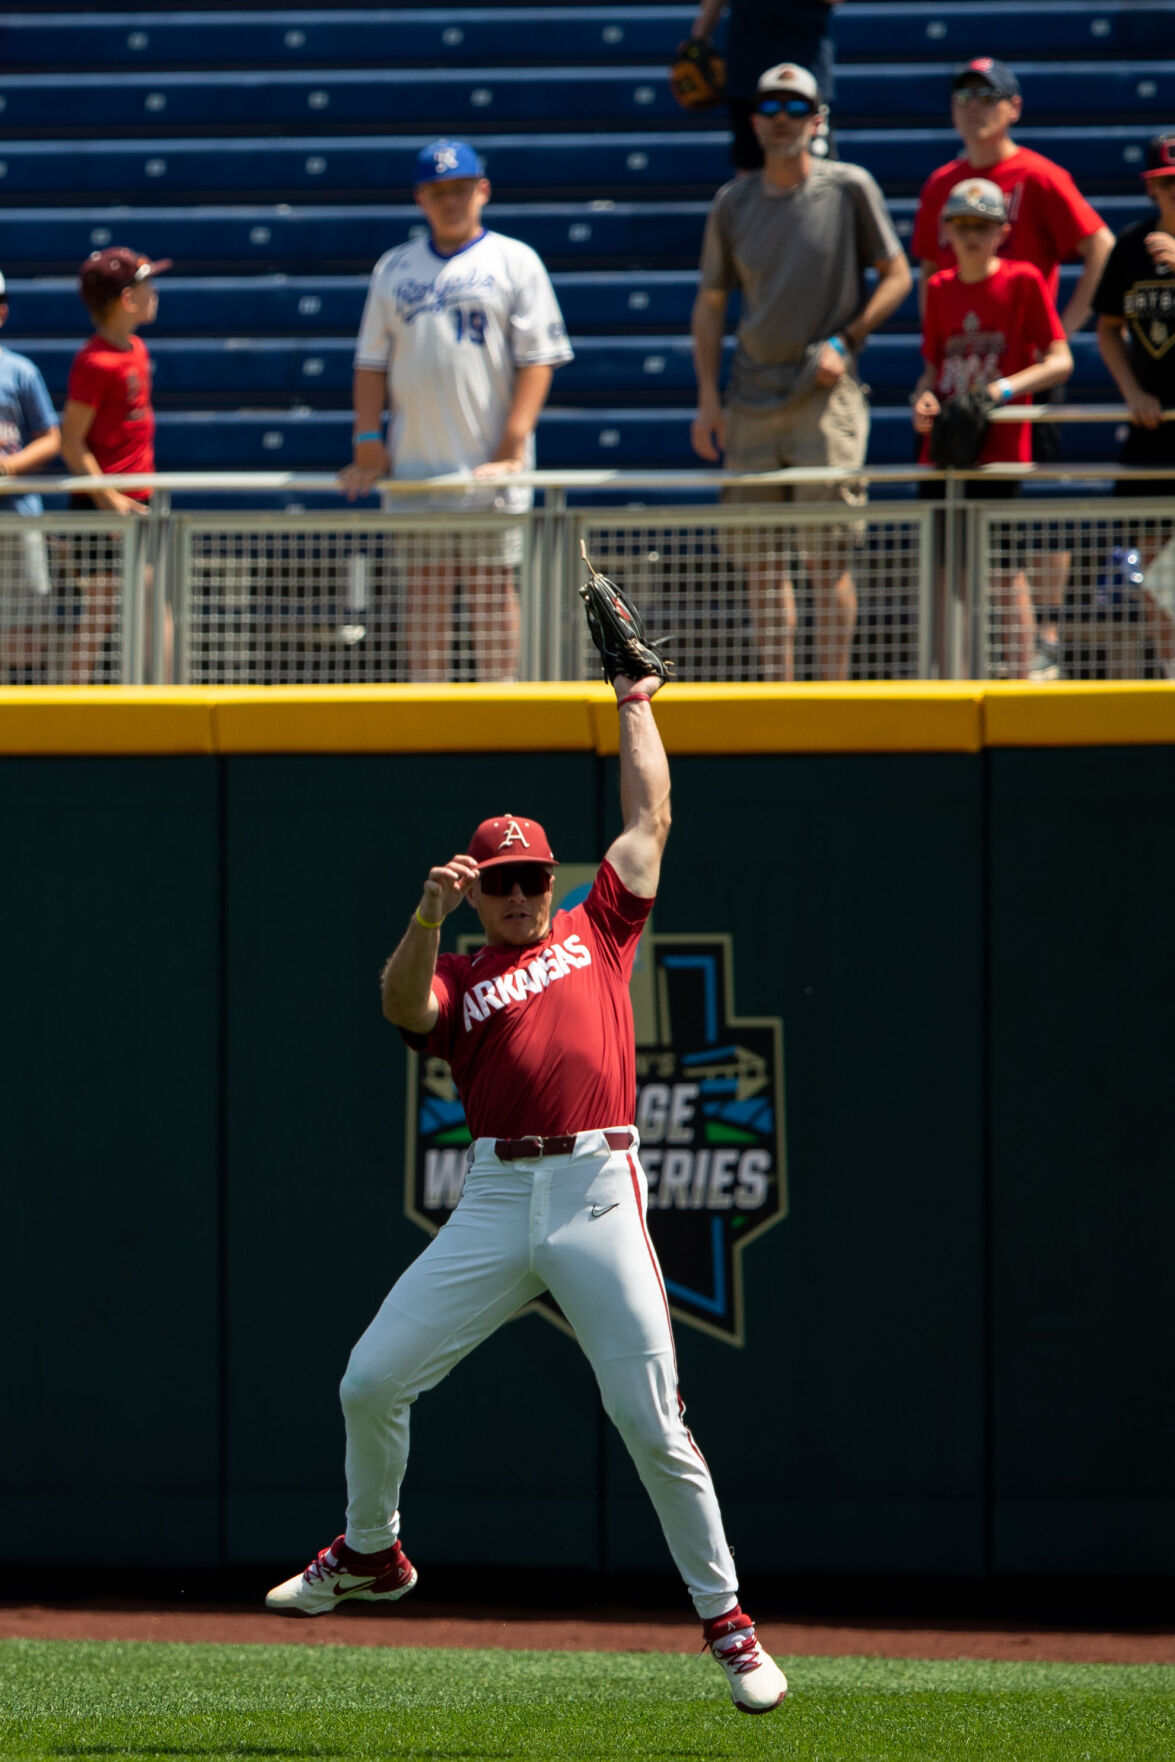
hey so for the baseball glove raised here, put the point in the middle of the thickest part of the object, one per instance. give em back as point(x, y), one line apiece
point(618, 631)
point(697, 77)
point(959, 431)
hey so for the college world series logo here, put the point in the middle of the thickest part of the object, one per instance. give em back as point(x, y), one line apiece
point(709, 1112)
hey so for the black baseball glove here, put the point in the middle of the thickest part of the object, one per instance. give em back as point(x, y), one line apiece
point(697, 77)
point(959, 431)
point(618, 631)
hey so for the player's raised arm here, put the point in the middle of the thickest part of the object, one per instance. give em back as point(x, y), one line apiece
point(635, 671)
point(644, 788)
point(406, 981)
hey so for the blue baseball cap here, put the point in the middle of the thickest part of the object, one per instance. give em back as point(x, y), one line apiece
point(442, 161)
point(996, 74)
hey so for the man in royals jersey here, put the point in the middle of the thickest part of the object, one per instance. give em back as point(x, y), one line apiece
point(460, 334)
point(537, 1029)
point(990, 325)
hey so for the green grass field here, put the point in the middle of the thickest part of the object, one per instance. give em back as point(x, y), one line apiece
point(105, 1700)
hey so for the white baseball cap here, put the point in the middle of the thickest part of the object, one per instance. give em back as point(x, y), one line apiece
point(786, 76)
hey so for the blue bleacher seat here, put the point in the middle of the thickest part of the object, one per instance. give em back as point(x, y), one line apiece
point(260, 148)
point(456, 101)
point(491, 35)
point(593, 165)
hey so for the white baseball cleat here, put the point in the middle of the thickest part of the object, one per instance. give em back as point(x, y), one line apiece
point(757, 1684)
point(338, 1574)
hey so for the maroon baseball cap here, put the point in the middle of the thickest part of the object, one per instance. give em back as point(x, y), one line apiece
point(104, 274)
point(1160, 157)
point(508, 839)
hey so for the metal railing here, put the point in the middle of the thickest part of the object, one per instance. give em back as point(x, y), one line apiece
point(1075, 586)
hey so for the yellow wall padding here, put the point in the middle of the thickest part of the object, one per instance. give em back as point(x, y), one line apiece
point(890, 717)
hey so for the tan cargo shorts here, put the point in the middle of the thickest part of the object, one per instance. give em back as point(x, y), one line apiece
point(825, 426)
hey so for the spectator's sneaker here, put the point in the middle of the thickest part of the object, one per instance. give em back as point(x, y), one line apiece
point(1046, 662)
point(757, 1684)
point(338, 1574)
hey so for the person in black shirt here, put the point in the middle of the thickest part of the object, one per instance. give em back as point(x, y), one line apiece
point(1135, 304)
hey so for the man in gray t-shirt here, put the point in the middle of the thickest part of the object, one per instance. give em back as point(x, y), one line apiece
point(795, 239)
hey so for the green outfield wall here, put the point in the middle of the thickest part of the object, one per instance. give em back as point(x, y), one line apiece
point(953, 1354)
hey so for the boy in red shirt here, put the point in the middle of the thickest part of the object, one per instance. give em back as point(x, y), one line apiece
point(109, 425)
point(990, 322)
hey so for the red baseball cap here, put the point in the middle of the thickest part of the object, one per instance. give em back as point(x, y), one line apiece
point(508, 839)
point(104, 274)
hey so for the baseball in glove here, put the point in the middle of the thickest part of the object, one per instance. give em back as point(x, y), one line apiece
point(697, 77)
point(618, 631)
point(959, 431)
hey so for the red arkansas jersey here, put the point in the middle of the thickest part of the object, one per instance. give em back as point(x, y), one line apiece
point(1047, 213)
point(979, 331)
point(540, 1039)
point(116, 384)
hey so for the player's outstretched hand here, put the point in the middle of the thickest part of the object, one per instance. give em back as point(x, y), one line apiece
point(646, 687)
point(447, 885)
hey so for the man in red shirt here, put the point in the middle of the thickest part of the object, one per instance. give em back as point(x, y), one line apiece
point(109, 426)
point(537, 1029)
point(990, 323)
point(1049, 220)
point(1049, 223)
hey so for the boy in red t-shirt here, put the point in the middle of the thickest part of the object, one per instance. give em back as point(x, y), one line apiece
point(109, 425)
point(990, 323)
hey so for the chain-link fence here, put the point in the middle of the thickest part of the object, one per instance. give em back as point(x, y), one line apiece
point(1075, 595)
point(990, 587)
point(743, 593)
point(354, 598)
point(71, 605)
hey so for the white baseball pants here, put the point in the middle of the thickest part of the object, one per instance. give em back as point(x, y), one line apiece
point(575, 1226)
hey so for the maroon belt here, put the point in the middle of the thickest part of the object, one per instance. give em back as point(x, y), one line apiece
point(511, 1149)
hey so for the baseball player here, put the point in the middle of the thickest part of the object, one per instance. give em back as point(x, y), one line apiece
point(459, 338)
point(537, 1029)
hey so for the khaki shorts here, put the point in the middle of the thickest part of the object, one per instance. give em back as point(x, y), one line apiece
point(822, 427)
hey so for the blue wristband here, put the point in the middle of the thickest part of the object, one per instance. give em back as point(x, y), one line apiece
point(375, 434)
point(834, 342)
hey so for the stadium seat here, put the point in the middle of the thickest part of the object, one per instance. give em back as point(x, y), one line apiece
point(483, 36)
point(259, 149)
point(623, 98)
point(595, 165)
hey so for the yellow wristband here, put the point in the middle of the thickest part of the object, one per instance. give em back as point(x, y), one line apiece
point(425, 922)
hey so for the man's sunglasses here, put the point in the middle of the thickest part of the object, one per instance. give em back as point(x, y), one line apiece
point(977, 95)
point(786, 107)
point(498, 882)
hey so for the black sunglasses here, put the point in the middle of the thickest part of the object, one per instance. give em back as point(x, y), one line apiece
point(498, 882)
point(788, 107)
point(984, 95)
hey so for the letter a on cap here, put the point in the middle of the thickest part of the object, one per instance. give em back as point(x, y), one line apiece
point(513, 834)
